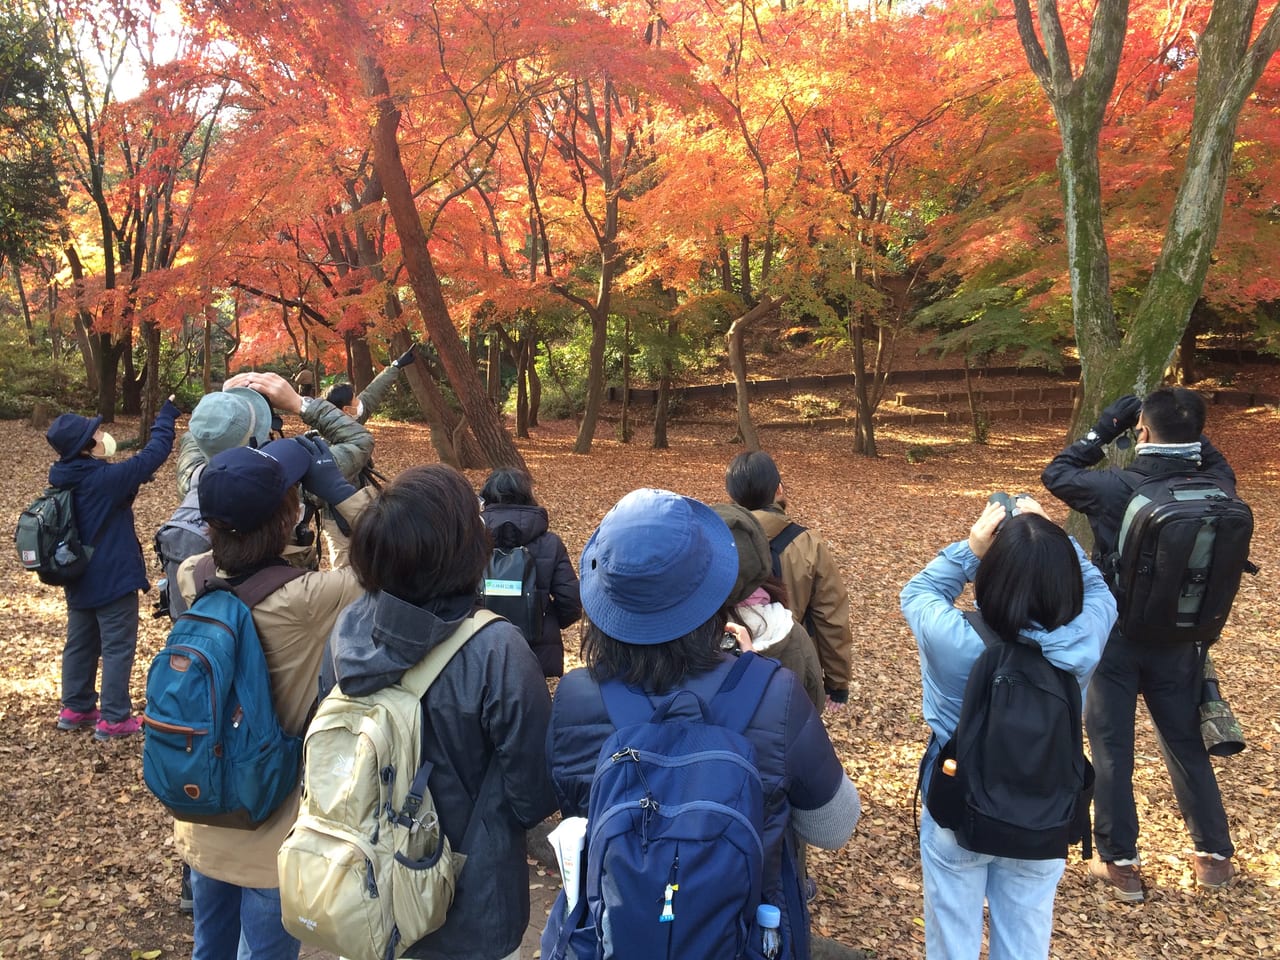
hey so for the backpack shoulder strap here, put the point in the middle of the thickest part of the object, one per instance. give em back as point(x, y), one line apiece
point(738, 698)
point(418, 678)
point(251, 589)
point(982, 628)
point(784, 539)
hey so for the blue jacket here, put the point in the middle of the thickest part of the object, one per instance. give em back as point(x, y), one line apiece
point(799, 769)
point(949, 646)
point(103, 493)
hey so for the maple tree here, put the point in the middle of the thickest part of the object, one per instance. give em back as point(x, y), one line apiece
point(1218, 42)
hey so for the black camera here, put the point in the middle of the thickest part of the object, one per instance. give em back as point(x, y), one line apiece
point(161, 606)
point(729, 643)
point(1008, 501)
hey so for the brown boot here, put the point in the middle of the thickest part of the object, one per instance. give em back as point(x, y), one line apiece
point(1125, 881)
point(1212, 872)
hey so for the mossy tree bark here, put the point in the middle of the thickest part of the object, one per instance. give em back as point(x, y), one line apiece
point(1113, 362)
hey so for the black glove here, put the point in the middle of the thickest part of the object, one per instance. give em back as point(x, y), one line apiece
point(323, 479)
point(1117, 418)
point(405, 358)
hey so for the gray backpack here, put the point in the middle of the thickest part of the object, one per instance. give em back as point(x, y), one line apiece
point(183, 535)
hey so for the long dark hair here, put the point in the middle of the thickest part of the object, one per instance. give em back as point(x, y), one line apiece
point(657, 667)
point(422, 538)
point(1029, 576)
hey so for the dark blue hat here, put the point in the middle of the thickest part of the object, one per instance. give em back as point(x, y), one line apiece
point(70, 433)
point(241, 488)
point(658, 566)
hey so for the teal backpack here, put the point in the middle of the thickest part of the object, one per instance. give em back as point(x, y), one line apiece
point(214, 750)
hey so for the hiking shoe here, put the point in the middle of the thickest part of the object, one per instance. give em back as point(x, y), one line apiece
point(1125, 880)
point(74, 720)
point(114, 731)
point(1212, 871)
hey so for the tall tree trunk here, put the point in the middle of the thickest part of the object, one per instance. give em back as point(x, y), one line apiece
point(1228, 68)
point(107, 357)
point(151, 388)
point(738, 363)
point(523, 363)
point(493, 370)
point(361, 362)
point(664, 392)
point(482, 419)
point(595, 381)
point(453, 443)
point(864, 434)
point(624, 424)
point(206, 360)
point(22, 302)
point(535, 381)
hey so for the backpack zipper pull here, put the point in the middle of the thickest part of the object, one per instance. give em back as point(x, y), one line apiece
point(237, 717)
point(668, 895)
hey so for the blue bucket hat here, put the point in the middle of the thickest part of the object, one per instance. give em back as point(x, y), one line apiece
point(70, 433)
point(658, 566)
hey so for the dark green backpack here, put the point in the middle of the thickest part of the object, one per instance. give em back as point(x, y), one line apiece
point(48, 540)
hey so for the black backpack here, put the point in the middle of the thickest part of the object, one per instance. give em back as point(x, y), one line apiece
point(510, 589)
point(1014, 780)
point(48, 540)
point(784, 539)
point(1182, 547)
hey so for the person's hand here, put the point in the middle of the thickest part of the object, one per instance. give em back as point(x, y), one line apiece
point(983, 530)
point(278, 391)
point(741, 634)
point(323, 478)
point(405, 358)
point(1025, 503)
point(1118, 417)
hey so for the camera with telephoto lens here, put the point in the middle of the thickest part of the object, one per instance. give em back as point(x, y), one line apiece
point(1008, 501)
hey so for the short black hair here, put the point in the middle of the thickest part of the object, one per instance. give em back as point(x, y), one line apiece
point(340, 394)
point(508, 485)
point(656, 667)
point(752, 480)
point(1029, 576)
point(1174, 415)
point(239, 552)
point(422, 538)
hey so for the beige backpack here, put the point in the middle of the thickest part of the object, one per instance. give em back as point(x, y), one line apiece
point(366, 871)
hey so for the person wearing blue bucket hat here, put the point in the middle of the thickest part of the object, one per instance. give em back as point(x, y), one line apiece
point(102, 605)
point(655, 577)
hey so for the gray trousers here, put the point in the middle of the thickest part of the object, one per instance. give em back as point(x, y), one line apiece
point(109, 632)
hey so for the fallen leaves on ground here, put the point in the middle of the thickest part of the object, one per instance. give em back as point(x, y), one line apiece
point(87, 867)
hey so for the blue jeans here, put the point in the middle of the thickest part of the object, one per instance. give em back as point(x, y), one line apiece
point(1019, 895)
point(238, 923)
point(109, 632)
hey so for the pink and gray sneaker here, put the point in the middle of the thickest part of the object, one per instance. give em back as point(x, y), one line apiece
point(74, 720)
point(114, 731)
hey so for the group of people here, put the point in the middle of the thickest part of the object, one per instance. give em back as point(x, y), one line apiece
point(664, 579)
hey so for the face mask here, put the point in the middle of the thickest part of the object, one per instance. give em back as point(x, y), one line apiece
point(105, 448)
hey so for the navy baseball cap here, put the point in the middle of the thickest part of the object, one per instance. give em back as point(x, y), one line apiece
point(241, 488)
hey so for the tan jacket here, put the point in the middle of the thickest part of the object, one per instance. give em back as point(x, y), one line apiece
point(294, 623)
point(816, 595)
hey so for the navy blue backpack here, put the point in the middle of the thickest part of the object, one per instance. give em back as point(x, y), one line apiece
point(214, 750)
point(675, 853)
